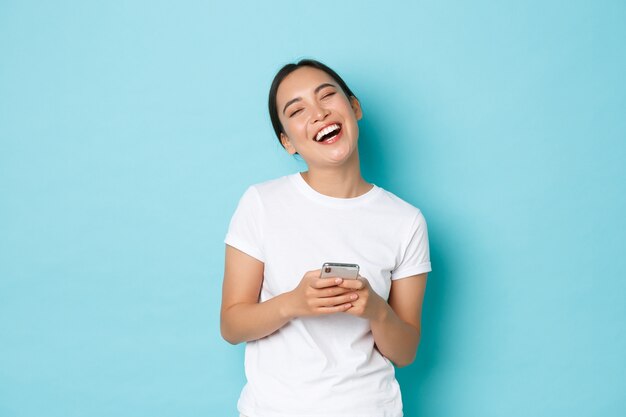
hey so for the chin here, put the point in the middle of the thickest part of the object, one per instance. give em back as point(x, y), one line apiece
point(342, 156)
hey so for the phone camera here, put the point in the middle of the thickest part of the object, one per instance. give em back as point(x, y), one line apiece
point(327, 269)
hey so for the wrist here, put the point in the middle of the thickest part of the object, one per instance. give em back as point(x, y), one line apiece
point(382, 312)
point(285, 308)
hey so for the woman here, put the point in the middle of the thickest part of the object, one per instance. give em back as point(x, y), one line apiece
point(322, 346)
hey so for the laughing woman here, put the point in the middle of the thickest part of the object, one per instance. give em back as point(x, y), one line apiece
point(322, 346)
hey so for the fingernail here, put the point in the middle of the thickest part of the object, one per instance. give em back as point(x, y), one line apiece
point(338, 280)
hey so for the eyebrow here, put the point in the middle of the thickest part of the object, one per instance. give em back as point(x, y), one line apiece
point(317, 89)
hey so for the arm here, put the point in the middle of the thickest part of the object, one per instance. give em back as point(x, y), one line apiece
point(397, 332)
point(244, 318)
point(396, 325)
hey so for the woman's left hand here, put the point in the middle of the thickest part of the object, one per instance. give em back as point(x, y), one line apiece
point(368, 304)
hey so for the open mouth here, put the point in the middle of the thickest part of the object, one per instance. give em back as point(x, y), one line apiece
point(328, 133)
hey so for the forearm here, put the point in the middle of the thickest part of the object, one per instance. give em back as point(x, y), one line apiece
point(395, 339)
point(245, 322)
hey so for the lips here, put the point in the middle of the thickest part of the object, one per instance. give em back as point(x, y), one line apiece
point(328, 133)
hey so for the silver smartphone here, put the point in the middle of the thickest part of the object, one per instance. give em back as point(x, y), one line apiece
point(345, 271)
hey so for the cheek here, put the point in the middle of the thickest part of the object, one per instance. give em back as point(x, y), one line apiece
point(295, 128)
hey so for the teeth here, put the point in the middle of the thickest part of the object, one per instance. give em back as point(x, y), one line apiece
point(326, 131)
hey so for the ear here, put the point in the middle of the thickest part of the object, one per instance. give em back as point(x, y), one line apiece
point(284, 140)
point(356, 106)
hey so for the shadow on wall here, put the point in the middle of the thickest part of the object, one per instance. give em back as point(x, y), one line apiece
point(378, 155)
point(415, 379)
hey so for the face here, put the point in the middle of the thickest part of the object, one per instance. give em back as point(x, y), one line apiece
point(319, 121)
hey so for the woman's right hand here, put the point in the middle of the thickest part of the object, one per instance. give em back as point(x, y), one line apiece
point(316, 296)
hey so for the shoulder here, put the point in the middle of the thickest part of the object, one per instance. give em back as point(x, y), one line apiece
point(273, 185)
point(396, 205)
point(267, 190)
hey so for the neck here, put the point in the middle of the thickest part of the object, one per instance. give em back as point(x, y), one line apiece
point(340, 182)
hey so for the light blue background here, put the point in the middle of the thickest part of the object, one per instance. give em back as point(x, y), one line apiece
point(129, 130)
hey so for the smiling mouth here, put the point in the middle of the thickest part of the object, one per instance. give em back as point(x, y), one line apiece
point(328, 133)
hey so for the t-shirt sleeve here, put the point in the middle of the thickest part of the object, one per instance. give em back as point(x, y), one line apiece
point(415, 252)
point(244, 231)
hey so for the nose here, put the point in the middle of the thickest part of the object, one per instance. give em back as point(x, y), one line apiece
point(320, 113)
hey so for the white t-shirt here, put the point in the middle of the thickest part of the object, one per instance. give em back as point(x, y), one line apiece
point(324, 366)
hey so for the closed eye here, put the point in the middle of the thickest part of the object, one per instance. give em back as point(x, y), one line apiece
point(329, 94)
point(294, 113)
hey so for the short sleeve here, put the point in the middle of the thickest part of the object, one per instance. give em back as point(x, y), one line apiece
point(245, 229)
point(415, 252)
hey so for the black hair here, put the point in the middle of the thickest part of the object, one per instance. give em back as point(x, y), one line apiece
point(284, 72)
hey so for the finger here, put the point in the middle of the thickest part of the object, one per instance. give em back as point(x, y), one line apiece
point(325, 282)
point(338, 300)
point(316, 273)
point(331, 291)
point(354, 284)
point(335, 309)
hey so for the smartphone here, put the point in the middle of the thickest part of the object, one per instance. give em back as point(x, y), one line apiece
point(345, 271)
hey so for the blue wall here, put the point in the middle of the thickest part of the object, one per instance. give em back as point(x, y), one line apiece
point(128, 131)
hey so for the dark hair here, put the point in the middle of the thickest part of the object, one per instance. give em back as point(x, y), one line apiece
point(284, 72)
